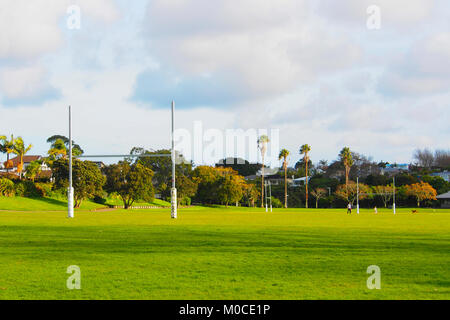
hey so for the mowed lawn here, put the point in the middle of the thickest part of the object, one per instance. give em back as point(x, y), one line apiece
point(225, 253)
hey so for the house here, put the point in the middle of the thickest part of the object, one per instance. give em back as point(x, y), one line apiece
point(300, 181)
point(395, 168)
point(444, 199)
point(26, 162)
point(444, 175)
point(46, 172)
point(270, 176)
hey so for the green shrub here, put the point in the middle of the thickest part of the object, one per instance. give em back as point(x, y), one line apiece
point(6, 187)
point(276, 203)
point(185, 201)
point(28, 189)
point(19, 189)
point(44, 188)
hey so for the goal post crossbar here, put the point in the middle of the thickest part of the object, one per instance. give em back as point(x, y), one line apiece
point(124, 155)
point(376, 194)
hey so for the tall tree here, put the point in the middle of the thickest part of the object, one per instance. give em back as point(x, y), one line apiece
point(76, 149)
point(57, 150)
point(20, 150)
point(231, 187)
point(131, 182)
point(186, 187)
point(284, 155)
point(305, 149)
point(346, 159)
point(424, 158)
point(318, 193)
point(221, 185)
point(162, 167)
point(207, 178)
point(322, 166)
point(349, 192)
point(442, 158)
point(439, 184)
point(2, 146)
point(251, 194)
point(262, 145)
point(7, 146)
point(87, 178)
point(385, 192)
point(421, 191)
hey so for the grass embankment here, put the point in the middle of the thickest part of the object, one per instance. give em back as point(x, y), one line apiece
point(51, 204)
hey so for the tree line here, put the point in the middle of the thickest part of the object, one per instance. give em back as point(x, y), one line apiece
point(140, 178)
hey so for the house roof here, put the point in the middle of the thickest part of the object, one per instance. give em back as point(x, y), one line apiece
point(444, 196)
point(26, 159)
point(302, 179)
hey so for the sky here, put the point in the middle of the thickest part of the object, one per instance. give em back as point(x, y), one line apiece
point(323, 72)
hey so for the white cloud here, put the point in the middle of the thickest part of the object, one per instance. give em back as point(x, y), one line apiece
point(23, 82)
point(267, 47)
point(31, 28)
point(104, 120)
point(431, 55)
point(398, 13)
point(424, 69)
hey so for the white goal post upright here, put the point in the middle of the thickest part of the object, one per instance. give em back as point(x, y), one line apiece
point(70, 188)
point(393, 205)
point(270, 195)
point(265, 194)
point(357, 195)
point(173, 192)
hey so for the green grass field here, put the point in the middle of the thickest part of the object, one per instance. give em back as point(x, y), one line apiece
point(224, 253)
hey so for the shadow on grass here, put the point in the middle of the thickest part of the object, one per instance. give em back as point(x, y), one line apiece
point(51, 201)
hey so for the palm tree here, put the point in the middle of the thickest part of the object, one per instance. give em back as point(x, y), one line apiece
point(20, 150)
point(7, 147)
point(262, 145)
point(33, 170)
point(347, 160)
point(283, 155)
point(2, 146)
point(57, 150)
point(76, 149)
point(305, 149)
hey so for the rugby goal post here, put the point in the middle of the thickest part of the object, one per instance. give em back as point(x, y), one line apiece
point(374, 194)
point(173, 193)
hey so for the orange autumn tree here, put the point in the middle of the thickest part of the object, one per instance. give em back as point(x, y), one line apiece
point(349, 193)
point(421, 191)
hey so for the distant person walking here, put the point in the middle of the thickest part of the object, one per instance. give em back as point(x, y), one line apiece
point(375, 210)
point(349, 208)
